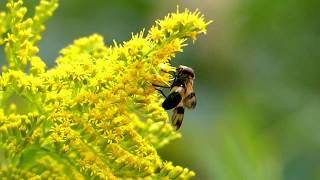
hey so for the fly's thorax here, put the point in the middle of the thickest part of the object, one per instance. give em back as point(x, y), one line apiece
point(180, 89)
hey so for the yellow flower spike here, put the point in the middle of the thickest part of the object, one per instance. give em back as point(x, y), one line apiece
point(96, 113)
point(23, 33)
point(166, 68)
point(21, 12)
point(37, 66)
point(155, 34)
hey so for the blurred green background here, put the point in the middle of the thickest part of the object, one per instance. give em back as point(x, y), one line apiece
point(257, 80)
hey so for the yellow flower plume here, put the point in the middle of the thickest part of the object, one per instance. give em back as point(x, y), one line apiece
point(95, 114)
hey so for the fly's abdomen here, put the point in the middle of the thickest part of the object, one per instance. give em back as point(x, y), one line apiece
point(177, 117)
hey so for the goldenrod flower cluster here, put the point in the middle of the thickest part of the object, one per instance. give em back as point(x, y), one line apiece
point(95, 114)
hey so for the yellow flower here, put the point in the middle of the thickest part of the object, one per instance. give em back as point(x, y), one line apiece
point(95, 114)
point(37, 66)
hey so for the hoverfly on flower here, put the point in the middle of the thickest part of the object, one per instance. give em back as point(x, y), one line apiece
point(181, 95)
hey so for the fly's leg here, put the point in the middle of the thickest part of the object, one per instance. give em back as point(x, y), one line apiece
point(161, 92)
